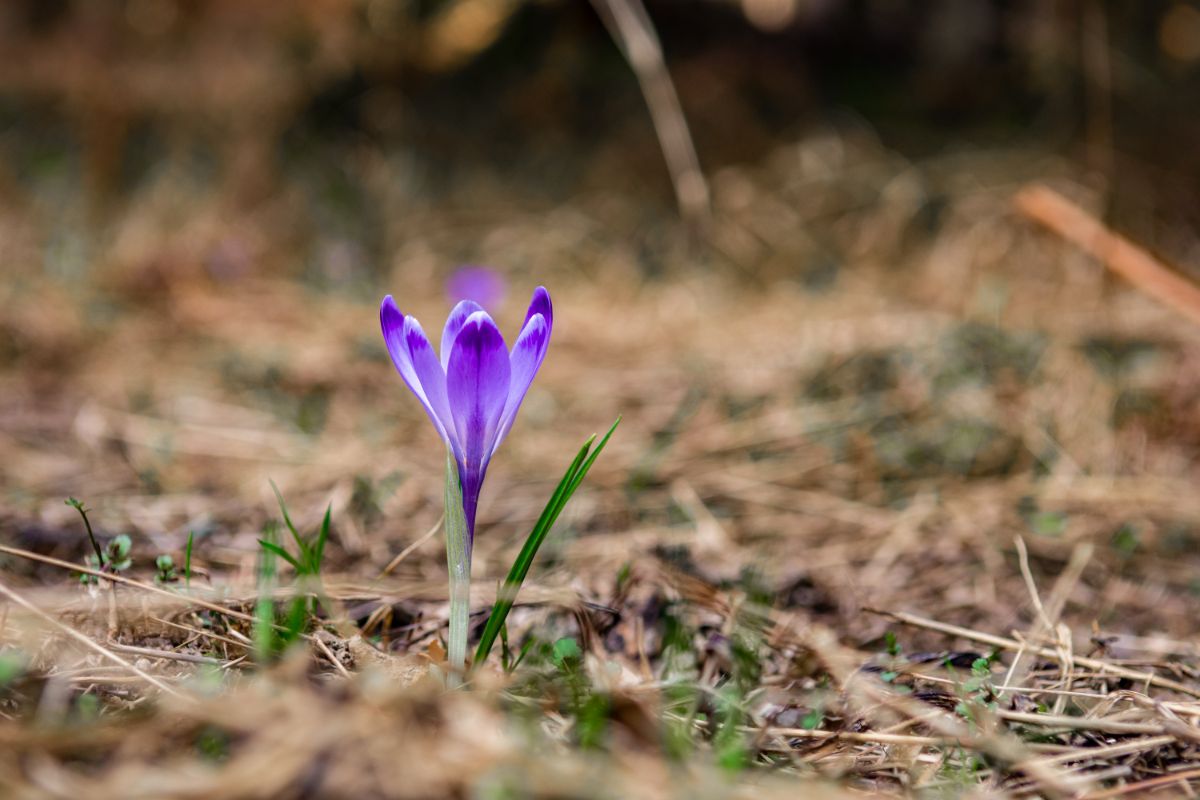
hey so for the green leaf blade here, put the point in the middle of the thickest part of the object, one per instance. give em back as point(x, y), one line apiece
point(570, 481)
point(279, 551)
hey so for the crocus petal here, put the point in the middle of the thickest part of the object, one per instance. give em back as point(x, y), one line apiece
point(528, 352)
point(454, 323)
point(477, 381)
point(540, 304)
point(433, 380)
point(395, 336)
point(392, 323)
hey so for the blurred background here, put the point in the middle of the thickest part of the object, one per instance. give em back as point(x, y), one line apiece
point(216, 139)
point(836, 319)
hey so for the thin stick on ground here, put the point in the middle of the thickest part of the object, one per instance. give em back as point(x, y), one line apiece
point(1116, 670)
point(186, 600)
point(169, 655)
point(86, 641)
point(333, 659)
point(1163, 780)
point(873, 737)
point(1109, 751)
point(216, 637)
point(1081, 723)
point(148, 587)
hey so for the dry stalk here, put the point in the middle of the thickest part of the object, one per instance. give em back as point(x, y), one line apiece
point(632, 29)
point(1100, 665)
point(87, 641)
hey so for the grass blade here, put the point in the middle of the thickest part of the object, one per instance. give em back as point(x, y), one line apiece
point(287, 520)
point(520, 569)
point(187, 561)
point(284, 554)
point(587, 465)
point(322, 536)
point(264, 608)
point(525, 557)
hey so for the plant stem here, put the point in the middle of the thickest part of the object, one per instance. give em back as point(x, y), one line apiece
point(460, 608)
point(78, 506)
point(458, 562)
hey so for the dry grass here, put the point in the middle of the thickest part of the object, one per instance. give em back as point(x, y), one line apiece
point(874, 402)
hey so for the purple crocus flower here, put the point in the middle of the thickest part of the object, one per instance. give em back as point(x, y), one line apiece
point(472, 394)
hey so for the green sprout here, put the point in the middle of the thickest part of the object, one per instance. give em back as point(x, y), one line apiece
point(978, 690)
point(112, 558)
point(165, 566)
point(78, 506)
point(270, 635)
point(310, 553)
point(508, 660)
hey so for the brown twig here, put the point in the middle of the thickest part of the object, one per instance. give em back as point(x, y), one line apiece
point(1130, 788)
point(149, 587)
point(56, 562)
point(1046, 621)
point(333, 659)
point(1080, 723)
point(1050, 209)
point(1109, 751)
point(86, 641)
point(216, 637)
point(1100, 665)
point(883, 737)
point(170, 655)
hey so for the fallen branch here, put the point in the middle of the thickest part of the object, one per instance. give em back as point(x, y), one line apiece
point(1051, 210)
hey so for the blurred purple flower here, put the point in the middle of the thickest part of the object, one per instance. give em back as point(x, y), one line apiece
point(482, 285)
point(472, 394)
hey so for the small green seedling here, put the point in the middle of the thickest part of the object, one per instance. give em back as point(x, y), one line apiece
point(78, 506)
point(508, 661)
point(12, 666)
point(566, 653)
point(165, 566)
point(310, 553)
point(729, 743)
point(272, 635)
point(978, 690)
point(112, 558)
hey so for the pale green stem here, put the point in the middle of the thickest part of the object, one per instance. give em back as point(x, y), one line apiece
point(458, 561)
